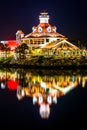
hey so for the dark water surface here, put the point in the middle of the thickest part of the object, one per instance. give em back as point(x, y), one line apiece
point(67, 89)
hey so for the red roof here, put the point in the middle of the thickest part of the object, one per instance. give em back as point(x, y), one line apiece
point(12, 43)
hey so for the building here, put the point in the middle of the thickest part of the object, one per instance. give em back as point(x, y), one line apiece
point(44, 35)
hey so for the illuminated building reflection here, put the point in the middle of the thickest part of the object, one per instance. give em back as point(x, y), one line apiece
point(44, 87)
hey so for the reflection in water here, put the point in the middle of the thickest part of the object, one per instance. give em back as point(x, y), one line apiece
point(44, 86)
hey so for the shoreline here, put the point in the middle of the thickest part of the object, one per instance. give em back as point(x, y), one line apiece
point(44, 67)
point(45, 63)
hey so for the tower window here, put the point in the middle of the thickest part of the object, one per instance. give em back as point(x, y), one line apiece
point(49, 29)
point(39, 29)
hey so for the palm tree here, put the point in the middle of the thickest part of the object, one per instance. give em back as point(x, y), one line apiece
point(5, 49)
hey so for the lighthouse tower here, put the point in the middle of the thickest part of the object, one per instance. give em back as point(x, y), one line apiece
point(44, 17)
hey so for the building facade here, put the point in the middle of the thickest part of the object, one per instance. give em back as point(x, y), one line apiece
point(44, 35)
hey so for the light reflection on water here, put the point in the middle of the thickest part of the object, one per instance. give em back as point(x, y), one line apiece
point(44, 86)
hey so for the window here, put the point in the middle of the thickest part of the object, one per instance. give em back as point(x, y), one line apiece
point(49, 29)
point(39, 29)
point(47, 40)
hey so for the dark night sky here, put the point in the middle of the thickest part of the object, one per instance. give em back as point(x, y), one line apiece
point(69, 16)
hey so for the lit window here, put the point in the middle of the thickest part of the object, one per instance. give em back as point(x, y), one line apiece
point(39, 29)
point(54, 29)
point(49, 29)
point(33, 29)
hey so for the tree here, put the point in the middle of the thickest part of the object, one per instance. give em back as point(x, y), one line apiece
point(5, 49)
point(21, 50)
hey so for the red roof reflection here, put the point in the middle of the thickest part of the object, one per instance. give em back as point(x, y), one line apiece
point(12, 84)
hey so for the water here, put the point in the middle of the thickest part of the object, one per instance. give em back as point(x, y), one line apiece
point(42, 98)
